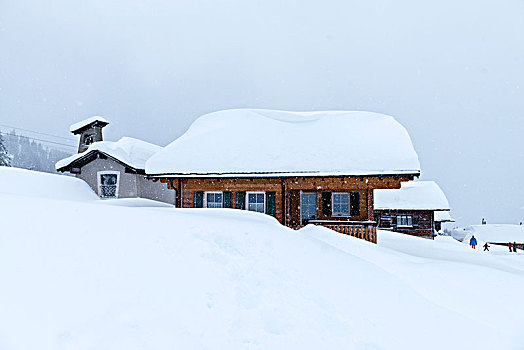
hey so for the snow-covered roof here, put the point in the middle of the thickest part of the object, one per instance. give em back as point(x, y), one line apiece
point(127, 150)
point(443, 216)
point(85, 122)
point(244, 142)
point(496, 233)
point(413, 195)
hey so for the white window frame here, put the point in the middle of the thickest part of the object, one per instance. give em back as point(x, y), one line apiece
point(344, 214)
point(301, 206)
point(215, 192)
point(408, 217)
point(246, 206)
point(99, 183)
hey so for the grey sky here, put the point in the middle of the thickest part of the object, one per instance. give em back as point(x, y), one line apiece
point(450, 71)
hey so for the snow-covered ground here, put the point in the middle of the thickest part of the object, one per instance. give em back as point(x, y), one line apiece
point(499, 233)
point(81, 273)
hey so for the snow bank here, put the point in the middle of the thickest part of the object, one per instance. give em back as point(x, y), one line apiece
point(156, 278)
point(496, 233)
point(21, 182)
point(76, 126)
point(128, 150)
point(412, 195)
point(235, 142)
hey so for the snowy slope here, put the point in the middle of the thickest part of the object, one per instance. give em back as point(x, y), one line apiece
point(165, 278)
point(244, 141)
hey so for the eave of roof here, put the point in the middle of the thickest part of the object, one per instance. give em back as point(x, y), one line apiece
point(413, 173)
point(92, 155)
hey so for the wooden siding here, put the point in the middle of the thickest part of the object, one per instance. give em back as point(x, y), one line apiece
point(423, 223)
point(287, 194)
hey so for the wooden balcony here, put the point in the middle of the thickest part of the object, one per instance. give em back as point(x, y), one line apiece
point(366, 230)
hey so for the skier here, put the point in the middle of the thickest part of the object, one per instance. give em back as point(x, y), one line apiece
point(473, 242)
point(486, 246)
point(510, 246)
point(515, 247)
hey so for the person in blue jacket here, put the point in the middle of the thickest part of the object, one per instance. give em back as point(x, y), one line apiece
point(473, 242)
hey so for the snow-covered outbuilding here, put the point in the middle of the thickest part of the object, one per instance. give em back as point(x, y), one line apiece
point(300, 167)
point(114, 169)
point(417, 208)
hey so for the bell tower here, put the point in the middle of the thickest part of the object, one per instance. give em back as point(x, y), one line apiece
point(90, 130)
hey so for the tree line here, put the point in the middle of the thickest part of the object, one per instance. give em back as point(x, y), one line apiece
point(22, 152)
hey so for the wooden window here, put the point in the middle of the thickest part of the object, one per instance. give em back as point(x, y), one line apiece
point(340, 204)
point(404, 221)
point(256, 201)
point(213, 199)
point(308, 206)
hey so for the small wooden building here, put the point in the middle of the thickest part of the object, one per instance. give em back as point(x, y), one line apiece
point(113, 169)
point(302, 168)
point(411, 209)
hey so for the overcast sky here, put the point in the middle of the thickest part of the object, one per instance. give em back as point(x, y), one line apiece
point(450, 71)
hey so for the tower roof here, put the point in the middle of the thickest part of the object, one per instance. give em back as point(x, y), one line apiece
point(77, 128)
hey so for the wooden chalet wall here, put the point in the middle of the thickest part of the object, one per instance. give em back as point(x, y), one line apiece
point(287, 190)
point(422, 221)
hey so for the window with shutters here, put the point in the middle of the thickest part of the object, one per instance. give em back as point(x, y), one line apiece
point(404, 221)
point(108, 182)
point(256, 201)
point(213, 199)
point(340, 203)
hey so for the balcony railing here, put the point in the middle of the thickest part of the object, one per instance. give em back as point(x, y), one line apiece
point(366, 230)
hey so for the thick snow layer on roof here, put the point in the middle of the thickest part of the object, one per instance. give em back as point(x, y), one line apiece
point(128, 150)
point(85, 122)
point(497, 233)
point(235, 142)
point(443, 216)
point(412, 195)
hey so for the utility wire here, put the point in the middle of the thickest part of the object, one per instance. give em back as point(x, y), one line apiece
point(36, 132)
point(32, 138)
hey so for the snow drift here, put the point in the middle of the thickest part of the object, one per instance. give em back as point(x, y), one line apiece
point(88, 275)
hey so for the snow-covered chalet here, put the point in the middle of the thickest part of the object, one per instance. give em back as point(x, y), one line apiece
point(300, 167)
point(418, 208)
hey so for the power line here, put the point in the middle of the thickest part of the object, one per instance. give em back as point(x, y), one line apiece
point(35, 139)
point(36, 132)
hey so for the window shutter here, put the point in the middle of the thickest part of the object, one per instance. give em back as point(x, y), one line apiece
point(326, 204)
point(354, 203)
point(271, 203)
point(294, 207)
point(240, 200)
point(228, 199)
point(198, 199)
